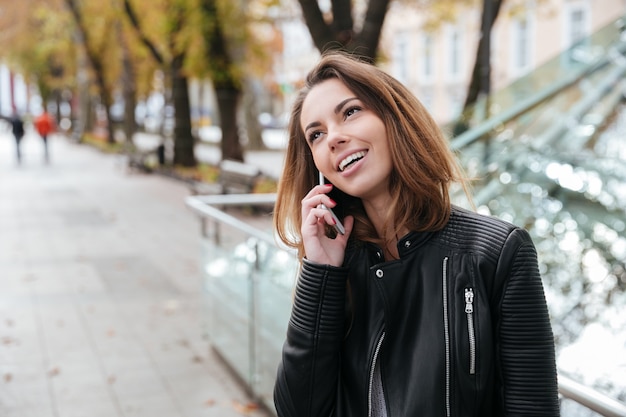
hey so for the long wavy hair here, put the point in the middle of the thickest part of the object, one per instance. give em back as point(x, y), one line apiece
point(423, 165)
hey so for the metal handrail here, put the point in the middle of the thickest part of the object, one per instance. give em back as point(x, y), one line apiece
point(207, 207)
point(204, 205)
point(590, 398)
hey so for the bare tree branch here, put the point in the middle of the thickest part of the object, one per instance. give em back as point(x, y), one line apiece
point(132, 16)
point(320, 32)
point(369, 36)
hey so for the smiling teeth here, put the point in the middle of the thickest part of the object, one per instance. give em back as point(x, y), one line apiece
point(355, 156)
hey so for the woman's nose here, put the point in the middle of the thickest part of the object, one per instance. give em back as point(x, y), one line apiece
point(335, 138)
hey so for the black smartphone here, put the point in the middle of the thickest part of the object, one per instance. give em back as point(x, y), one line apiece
point(338, 225)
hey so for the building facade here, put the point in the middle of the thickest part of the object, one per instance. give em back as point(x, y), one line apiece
point(436, 63)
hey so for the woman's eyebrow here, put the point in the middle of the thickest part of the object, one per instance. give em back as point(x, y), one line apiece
point(337, 109)
point(312, 124)
point(342, 103)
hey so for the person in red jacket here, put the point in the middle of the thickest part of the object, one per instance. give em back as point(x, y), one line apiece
point(44, 124)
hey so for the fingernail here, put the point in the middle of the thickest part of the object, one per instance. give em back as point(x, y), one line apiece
point(333, 201)
point(334, 221)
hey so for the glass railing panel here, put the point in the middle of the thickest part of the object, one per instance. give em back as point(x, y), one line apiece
point(228, 272)
point(276, 280)
point(248, 287)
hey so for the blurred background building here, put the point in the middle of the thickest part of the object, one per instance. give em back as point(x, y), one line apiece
point(434, 60)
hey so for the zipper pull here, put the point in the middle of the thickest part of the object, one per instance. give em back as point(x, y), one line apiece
point(469, 300)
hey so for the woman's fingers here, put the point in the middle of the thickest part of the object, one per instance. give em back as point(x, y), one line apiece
point(312, 205)
point(318, 215)
point(315, 216)
point(317, 195)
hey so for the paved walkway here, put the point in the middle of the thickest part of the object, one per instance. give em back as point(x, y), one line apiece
point(100, 292)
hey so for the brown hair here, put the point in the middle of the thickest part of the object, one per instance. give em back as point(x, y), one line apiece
point(423, 165)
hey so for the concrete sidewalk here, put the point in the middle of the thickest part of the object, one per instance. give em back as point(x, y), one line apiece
point(100, 292)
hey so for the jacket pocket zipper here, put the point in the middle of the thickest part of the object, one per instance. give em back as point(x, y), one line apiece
point(469, 311)
point(372, 371)
point(446, 331)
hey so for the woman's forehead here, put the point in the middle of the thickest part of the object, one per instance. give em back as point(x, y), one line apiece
point(324, 97)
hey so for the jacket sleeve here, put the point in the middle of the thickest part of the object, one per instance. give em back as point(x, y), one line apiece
point(526, 343)
point(308, 373)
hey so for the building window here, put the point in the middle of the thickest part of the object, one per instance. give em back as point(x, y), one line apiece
point(454, 53)
point(427, 61)
point(577, 22)
point(577, 25)
point(521, 45)
point(401, 58)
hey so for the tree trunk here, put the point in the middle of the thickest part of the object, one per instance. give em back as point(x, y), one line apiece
point(183, 138)
point(110, 125)
point(130, 103)
point(226, 84)
point(96, 63)
point(250, 116)
point(480, 81)
point(129, 89)
point(340, 33)
point(481, 73)
point(106, 100)
point(227, 101)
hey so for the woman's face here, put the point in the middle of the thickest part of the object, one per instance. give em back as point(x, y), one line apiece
point(348, 141)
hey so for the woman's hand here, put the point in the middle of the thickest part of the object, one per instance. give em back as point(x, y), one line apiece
point(318, 247)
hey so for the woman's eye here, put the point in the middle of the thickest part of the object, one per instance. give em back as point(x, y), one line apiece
point(350, 111)
point(314, 135)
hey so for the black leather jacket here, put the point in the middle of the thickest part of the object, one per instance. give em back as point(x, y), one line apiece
point(459, 326)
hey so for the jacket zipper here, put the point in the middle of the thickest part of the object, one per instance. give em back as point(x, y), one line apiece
point(446, 332)
point(469, 311)
point(372, 370)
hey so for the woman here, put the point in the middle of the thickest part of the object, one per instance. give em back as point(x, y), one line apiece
point(421, 308)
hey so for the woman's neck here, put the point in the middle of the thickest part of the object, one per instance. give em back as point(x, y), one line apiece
point(377, 211)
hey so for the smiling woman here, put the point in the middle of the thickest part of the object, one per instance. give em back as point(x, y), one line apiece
point(420, 307)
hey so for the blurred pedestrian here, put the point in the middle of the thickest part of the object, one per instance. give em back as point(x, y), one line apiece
point(44, 124)
point(17, 127)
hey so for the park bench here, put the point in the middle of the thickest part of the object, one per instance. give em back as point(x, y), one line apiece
point(146, 160)
point(234, 178)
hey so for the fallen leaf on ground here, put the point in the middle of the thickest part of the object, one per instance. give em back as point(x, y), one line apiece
point(244, 408)
point(6, 340)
